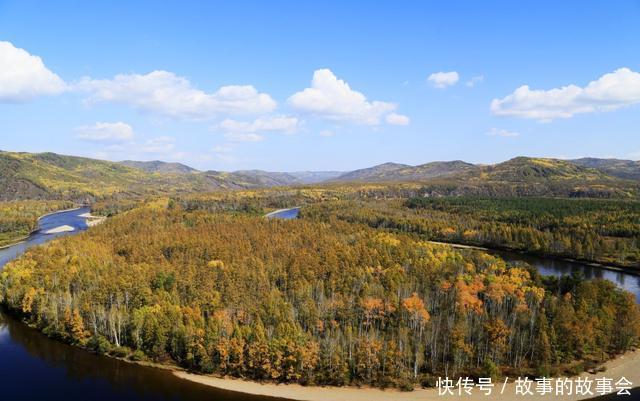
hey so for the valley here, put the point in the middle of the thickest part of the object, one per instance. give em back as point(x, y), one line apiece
point(356, 289)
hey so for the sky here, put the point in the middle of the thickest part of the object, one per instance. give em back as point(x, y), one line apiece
point(331, 85)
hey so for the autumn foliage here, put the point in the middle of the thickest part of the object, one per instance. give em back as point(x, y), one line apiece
point(311, 301)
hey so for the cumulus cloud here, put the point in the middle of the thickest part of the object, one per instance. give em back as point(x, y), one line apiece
point(105, 132)
point(611, 91)
point(333, 99)
point(24, 77)
point(282, 124)
point(442, 79)
point(397, 119)
point(167, 94)
point(327, 133)
point(502, 132)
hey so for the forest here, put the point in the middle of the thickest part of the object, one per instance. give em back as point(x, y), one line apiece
point(343, 301)
point(19, 218)
point(593, 230)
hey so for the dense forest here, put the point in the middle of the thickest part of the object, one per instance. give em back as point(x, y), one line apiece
point(605, 231)
point(19, 218)
point(340, 302)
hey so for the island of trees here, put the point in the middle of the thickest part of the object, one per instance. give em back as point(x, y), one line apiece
point(352, 297)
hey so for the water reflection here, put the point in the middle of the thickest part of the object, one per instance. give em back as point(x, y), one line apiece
point(64, 372)
point(554, 267)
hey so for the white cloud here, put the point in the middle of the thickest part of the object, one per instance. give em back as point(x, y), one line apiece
point(166, 94)
point(24, 77)
point(160, 145)
point(282, 124)
point(502, 132)
point(611, 91)
point(105, 132)
point(397, 119)
point(474, 81)
point(333, 99)
point(243, 137)
point(327, 133)
point(442, 80)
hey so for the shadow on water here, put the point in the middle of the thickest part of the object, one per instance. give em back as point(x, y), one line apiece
point(34, 367)
point(635, 396)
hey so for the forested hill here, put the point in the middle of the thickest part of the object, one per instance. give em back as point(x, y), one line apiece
point(521, 176)
point(513, 170)
point(628, 169)
point(157, 166)
point(53, 176)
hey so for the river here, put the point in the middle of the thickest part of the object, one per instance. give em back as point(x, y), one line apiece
point(546, 266)
point(34, 367)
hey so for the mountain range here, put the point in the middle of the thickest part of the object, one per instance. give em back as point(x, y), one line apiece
point(51, 176)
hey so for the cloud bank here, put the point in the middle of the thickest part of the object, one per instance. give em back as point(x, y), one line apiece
point(611, 91)
point(167, 94)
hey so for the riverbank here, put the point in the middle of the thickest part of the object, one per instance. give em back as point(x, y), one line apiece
point(22, 239)
point(275, 212)
point(621, 269)
point(59, 211)
point(15, 242)
point(93, 220)
point(626, 365)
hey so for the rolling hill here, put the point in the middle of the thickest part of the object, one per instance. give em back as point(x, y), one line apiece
point(158, 166)
point(520, 176)
point(371, 174)
point(53, 176)
point(627, 169)
point(401, 172)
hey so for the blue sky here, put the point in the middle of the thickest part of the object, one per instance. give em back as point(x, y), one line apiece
point(287, 86)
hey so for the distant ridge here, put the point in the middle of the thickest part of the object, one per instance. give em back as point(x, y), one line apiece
point(627, 169)
point(54, 176)
point(402, 172)
point(371, 173)
point(158, 166)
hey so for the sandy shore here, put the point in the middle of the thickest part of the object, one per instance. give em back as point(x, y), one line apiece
point(61, 229)
point(92, 220)
point(627, 365)
point(459, 246)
